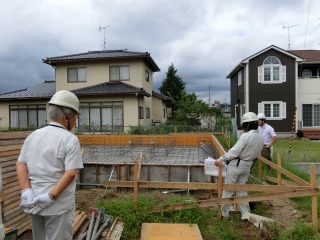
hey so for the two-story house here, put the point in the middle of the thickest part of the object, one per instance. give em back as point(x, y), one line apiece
point(284, 85)
point(115, 89)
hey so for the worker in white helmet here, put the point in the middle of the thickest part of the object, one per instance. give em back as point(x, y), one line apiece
point(240, 158)
point(47, 169)
point(269, 135)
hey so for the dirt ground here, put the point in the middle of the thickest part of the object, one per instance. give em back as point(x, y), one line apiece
point(284, 212)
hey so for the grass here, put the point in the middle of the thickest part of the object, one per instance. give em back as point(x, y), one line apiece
point(205, 218)
point(303, 151)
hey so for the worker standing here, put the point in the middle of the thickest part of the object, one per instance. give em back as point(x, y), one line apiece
point(239, 159)
point(47, 169)
point(269, 135)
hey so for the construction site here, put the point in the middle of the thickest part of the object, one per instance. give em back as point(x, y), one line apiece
point(174, 162)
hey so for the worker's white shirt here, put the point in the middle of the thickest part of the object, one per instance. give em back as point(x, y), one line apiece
point(268, 133)
point(247, 148)
point(48, 153)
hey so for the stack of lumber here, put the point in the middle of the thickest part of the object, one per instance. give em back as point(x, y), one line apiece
point(81, 222)
point(12, 215)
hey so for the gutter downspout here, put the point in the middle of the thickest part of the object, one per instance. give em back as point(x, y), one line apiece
point(138, 108)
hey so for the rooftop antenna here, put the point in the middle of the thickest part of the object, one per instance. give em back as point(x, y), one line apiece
point(104, 35)
point(288, 27)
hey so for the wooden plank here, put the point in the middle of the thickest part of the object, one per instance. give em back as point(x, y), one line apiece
point(115, 230)
point(20, 218)
point(9, 174)
point(233, 200)
point(284, 172)
point(8, 163)
point(314, 198)
point(79, 220)
point(23, 229)
point(204, 186)
point(11, 200)
point(14, 204)
point(10, 179)
point(9, 153)
point(169, 231)
point(10, 148)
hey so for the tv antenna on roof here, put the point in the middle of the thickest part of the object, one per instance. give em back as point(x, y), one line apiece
point(104, 35)
point(288, 27)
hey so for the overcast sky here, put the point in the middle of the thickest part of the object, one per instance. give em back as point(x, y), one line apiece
point(204, 39)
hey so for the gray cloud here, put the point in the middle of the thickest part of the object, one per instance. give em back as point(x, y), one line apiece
point(204, 39)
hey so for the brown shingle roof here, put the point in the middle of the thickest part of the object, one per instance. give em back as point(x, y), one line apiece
point(103, 55)
point(307, 55)
point(41, 91)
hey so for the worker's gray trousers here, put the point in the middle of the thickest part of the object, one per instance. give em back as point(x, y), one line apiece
point(235, 175)
point(56, 227)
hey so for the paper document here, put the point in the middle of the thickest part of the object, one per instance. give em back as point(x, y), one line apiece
point(211, 169)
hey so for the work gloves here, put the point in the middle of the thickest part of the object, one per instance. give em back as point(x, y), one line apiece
point(26, 198)
point(40, 202)
point(32, 204)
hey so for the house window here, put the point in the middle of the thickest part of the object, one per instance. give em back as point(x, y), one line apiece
point(119, 73)
point(77, 75)
point(101, 117)
point(147, 113)
point(311, 115)
point(27, 116)
point(141, 115)
point(164, 113)
point(271, 71)
point(147, 75)
point(273, 110)
point(240, 78)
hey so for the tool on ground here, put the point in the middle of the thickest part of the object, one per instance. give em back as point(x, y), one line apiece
point(94, 212)
point(108, 219)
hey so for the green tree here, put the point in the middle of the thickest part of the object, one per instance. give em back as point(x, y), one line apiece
point(190, 110)
point(172, 86)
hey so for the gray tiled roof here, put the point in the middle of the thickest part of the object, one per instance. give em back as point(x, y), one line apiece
point(46, 89)
point(43, 90)
point(160, 95)
point(102, 55)
point(110, 88)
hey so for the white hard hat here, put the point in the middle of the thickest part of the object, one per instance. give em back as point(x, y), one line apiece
point(249, 117)
point(65, 98)
point(261, 116)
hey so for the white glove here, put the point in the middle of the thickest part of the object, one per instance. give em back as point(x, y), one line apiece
point(42, 201)
point(26, 198)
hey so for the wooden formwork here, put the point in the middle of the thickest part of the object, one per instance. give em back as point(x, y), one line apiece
point(12, 215)
point(191, 139)
point(295, 187)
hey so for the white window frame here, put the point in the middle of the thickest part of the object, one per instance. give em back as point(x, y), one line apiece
point(141, 113)
point(282, 109)
point(75, 75)
point(239, 78)
point(119, 73)
point(147, 75)
point(271, 63)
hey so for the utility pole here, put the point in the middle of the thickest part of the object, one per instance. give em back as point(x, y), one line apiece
point(288, 27)
point(104, 35)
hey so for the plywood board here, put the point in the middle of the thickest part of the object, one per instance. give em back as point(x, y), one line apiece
point(170, 231)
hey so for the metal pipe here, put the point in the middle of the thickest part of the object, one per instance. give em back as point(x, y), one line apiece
point(95, 229)
point(188, 177)
point(90, 226)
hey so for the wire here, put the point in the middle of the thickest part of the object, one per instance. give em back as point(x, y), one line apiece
point(305, 35)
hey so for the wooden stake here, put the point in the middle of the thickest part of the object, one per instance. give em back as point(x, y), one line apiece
point(314, 198)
